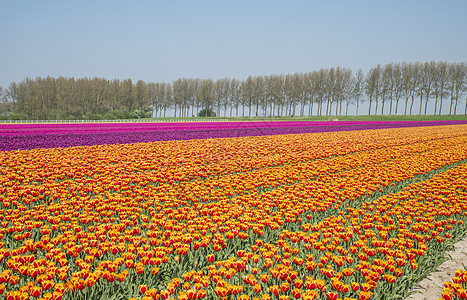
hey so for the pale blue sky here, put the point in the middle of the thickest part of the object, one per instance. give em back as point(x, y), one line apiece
point(165, 40)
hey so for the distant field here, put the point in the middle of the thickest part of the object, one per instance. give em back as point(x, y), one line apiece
point(362, 118)
point(239, 119)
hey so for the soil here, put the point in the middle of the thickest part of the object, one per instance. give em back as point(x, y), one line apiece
point(430, 287)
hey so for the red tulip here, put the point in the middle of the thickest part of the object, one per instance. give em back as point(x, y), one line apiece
point(331, 296)
point(143, 288)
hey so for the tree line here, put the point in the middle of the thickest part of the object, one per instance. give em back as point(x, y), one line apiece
point(389, 89)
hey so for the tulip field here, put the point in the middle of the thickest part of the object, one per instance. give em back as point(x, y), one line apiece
point(235, 210)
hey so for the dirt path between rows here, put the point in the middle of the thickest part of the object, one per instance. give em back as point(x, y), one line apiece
point(430, 288)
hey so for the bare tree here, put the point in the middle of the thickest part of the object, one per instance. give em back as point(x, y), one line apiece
point(358, 88)
point(308, 91)
point(387, 89)
point(397, 86)
point(458, 79)
point(278, 82)
point(219, 94)
point(409, 83)
point(319, 86)
point(347, 83)
point(234, 96)
point(226, 94)
point(427, 78)
point(258, 93)
point(205, 93)
point(441, 79)
point(373, 87)
point(341, 89)
point(329, 88)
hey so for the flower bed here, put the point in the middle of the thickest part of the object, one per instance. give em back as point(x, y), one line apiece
point(329, 215)
point(31, 136)
point(457, 287)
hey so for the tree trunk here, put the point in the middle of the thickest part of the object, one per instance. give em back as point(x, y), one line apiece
point(406, 102)
point(356, 113)
point(455, 104)
point(440, 104)
point(411, 104)
point(390, 106)
point(421, 101)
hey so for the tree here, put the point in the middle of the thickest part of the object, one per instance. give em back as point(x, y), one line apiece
point(441, 79)
point(409, 83)
point(387, 87)
point(234, 96)
point(416, 77)
point(458, 79)
point(221, 94)
point(275, 87)
point(205, 94)
point(342, 88)
point(347, 88)
point(128, 95)
point(248, 93)
point(160, 95)
point(142, 96)
point(5, 107)
point(182, 95)
point(397, 86)
point(258, 93)
point(308, 92)
point(319, 87)
point(329, 89)
point(373, 86)
point(427, 75)
point(358, 88)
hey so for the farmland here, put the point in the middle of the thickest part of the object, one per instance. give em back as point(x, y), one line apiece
point(283, 210)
